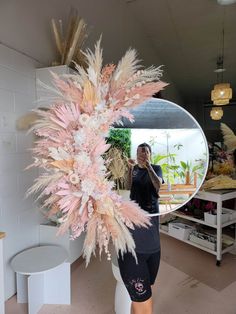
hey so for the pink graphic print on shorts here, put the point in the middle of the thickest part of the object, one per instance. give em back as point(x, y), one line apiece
point(138, 286)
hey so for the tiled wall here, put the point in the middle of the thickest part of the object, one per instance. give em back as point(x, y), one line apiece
point(19, 217)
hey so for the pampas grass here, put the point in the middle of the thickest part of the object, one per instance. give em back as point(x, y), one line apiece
point(71, 143)
point(70, 45)
point(117, 166)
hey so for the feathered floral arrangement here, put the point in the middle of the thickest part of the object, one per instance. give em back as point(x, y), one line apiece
point(72, 141)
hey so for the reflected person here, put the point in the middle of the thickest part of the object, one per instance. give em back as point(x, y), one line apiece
point(146, 179)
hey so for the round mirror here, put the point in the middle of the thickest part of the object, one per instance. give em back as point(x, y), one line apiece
point(178, 145)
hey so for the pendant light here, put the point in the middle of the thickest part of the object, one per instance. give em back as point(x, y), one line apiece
point(216, 113)
point(222, 93)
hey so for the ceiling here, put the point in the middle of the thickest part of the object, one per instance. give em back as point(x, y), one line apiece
point(187, 35)
point(184, 35)
point(159, 114)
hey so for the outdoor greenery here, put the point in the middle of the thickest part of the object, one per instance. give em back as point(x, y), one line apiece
point(174, 171)
point(121, 139)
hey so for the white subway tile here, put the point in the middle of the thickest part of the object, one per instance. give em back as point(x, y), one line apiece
point(26, 180)
point(29, 221)
point(8, 185)
point(24, 102)
point(15, 81)
point(23, 64)
point(6, 101)
point(9, 275)
point(9, 223)
point(7, 143)
point(13, 163)
point(13, 206)
point(19, 217)
point(18, 62)
point(24, 142)
point(7, 122)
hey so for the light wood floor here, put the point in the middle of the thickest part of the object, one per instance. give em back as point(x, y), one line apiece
point(188, 282)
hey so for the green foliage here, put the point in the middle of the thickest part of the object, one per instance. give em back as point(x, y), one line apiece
point(121, 139)
point(172, 171)
point(188, 166)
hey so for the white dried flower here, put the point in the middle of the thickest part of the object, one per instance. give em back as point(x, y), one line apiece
point(84, 119)
point(74, 178)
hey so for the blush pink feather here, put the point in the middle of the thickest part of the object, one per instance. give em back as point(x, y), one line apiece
point(72, 140)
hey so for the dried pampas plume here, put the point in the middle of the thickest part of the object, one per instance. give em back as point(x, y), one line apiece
point(229, 137)
point(117, 166)
point(71, 144)
point(69, 45)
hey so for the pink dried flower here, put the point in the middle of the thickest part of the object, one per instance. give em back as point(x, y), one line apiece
point(72, 142)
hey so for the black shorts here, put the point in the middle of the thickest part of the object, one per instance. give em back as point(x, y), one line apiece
point(138, 278)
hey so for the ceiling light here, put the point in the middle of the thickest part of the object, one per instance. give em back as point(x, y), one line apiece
point(216, 113)
point(221, 94)
point(219, 70)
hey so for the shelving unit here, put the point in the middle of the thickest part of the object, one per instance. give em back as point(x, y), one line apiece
point(218, 197)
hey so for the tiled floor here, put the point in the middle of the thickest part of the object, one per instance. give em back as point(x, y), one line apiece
point(188, 282)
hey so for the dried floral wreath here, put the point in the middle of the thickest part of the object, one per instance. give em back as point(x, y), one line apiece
point(71, 143)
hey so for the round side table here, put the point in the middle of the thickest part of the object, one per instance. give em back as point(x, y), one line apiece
point(43, 276)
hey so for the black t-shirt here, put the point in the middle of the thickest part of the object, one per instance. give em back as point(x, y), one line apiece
point(147, 240)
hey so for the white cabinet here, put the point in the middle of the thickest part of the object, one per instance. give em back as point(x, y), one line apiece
point(221, 222)
point(48, 236)
point(44, 95)
point(2, 296)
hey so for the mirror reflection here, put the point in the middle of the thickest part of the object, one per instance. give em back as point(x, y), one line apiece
point(178, 146)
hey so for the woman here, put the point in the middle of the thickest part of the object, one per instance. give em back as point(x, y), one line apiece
point(138, 278)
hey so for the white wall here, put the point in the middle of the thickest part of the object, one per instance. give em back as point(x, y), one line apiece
point(25, 25)
point(184, 137)
point(19, 217)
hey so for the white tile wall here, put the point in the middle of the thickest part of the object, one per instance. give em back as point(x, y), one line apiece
point(19, 217)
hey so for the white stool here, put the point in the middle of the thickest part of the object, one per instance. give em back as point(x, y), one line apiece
point(122, 298)
point(43, 277)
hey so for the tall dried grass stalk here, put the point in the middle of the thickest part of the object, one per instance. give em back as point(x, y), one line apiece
point(70, 45)
point(117, 167)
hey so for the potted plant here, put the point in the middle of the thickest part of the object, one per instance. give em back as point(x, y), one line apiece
point(210, 213)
